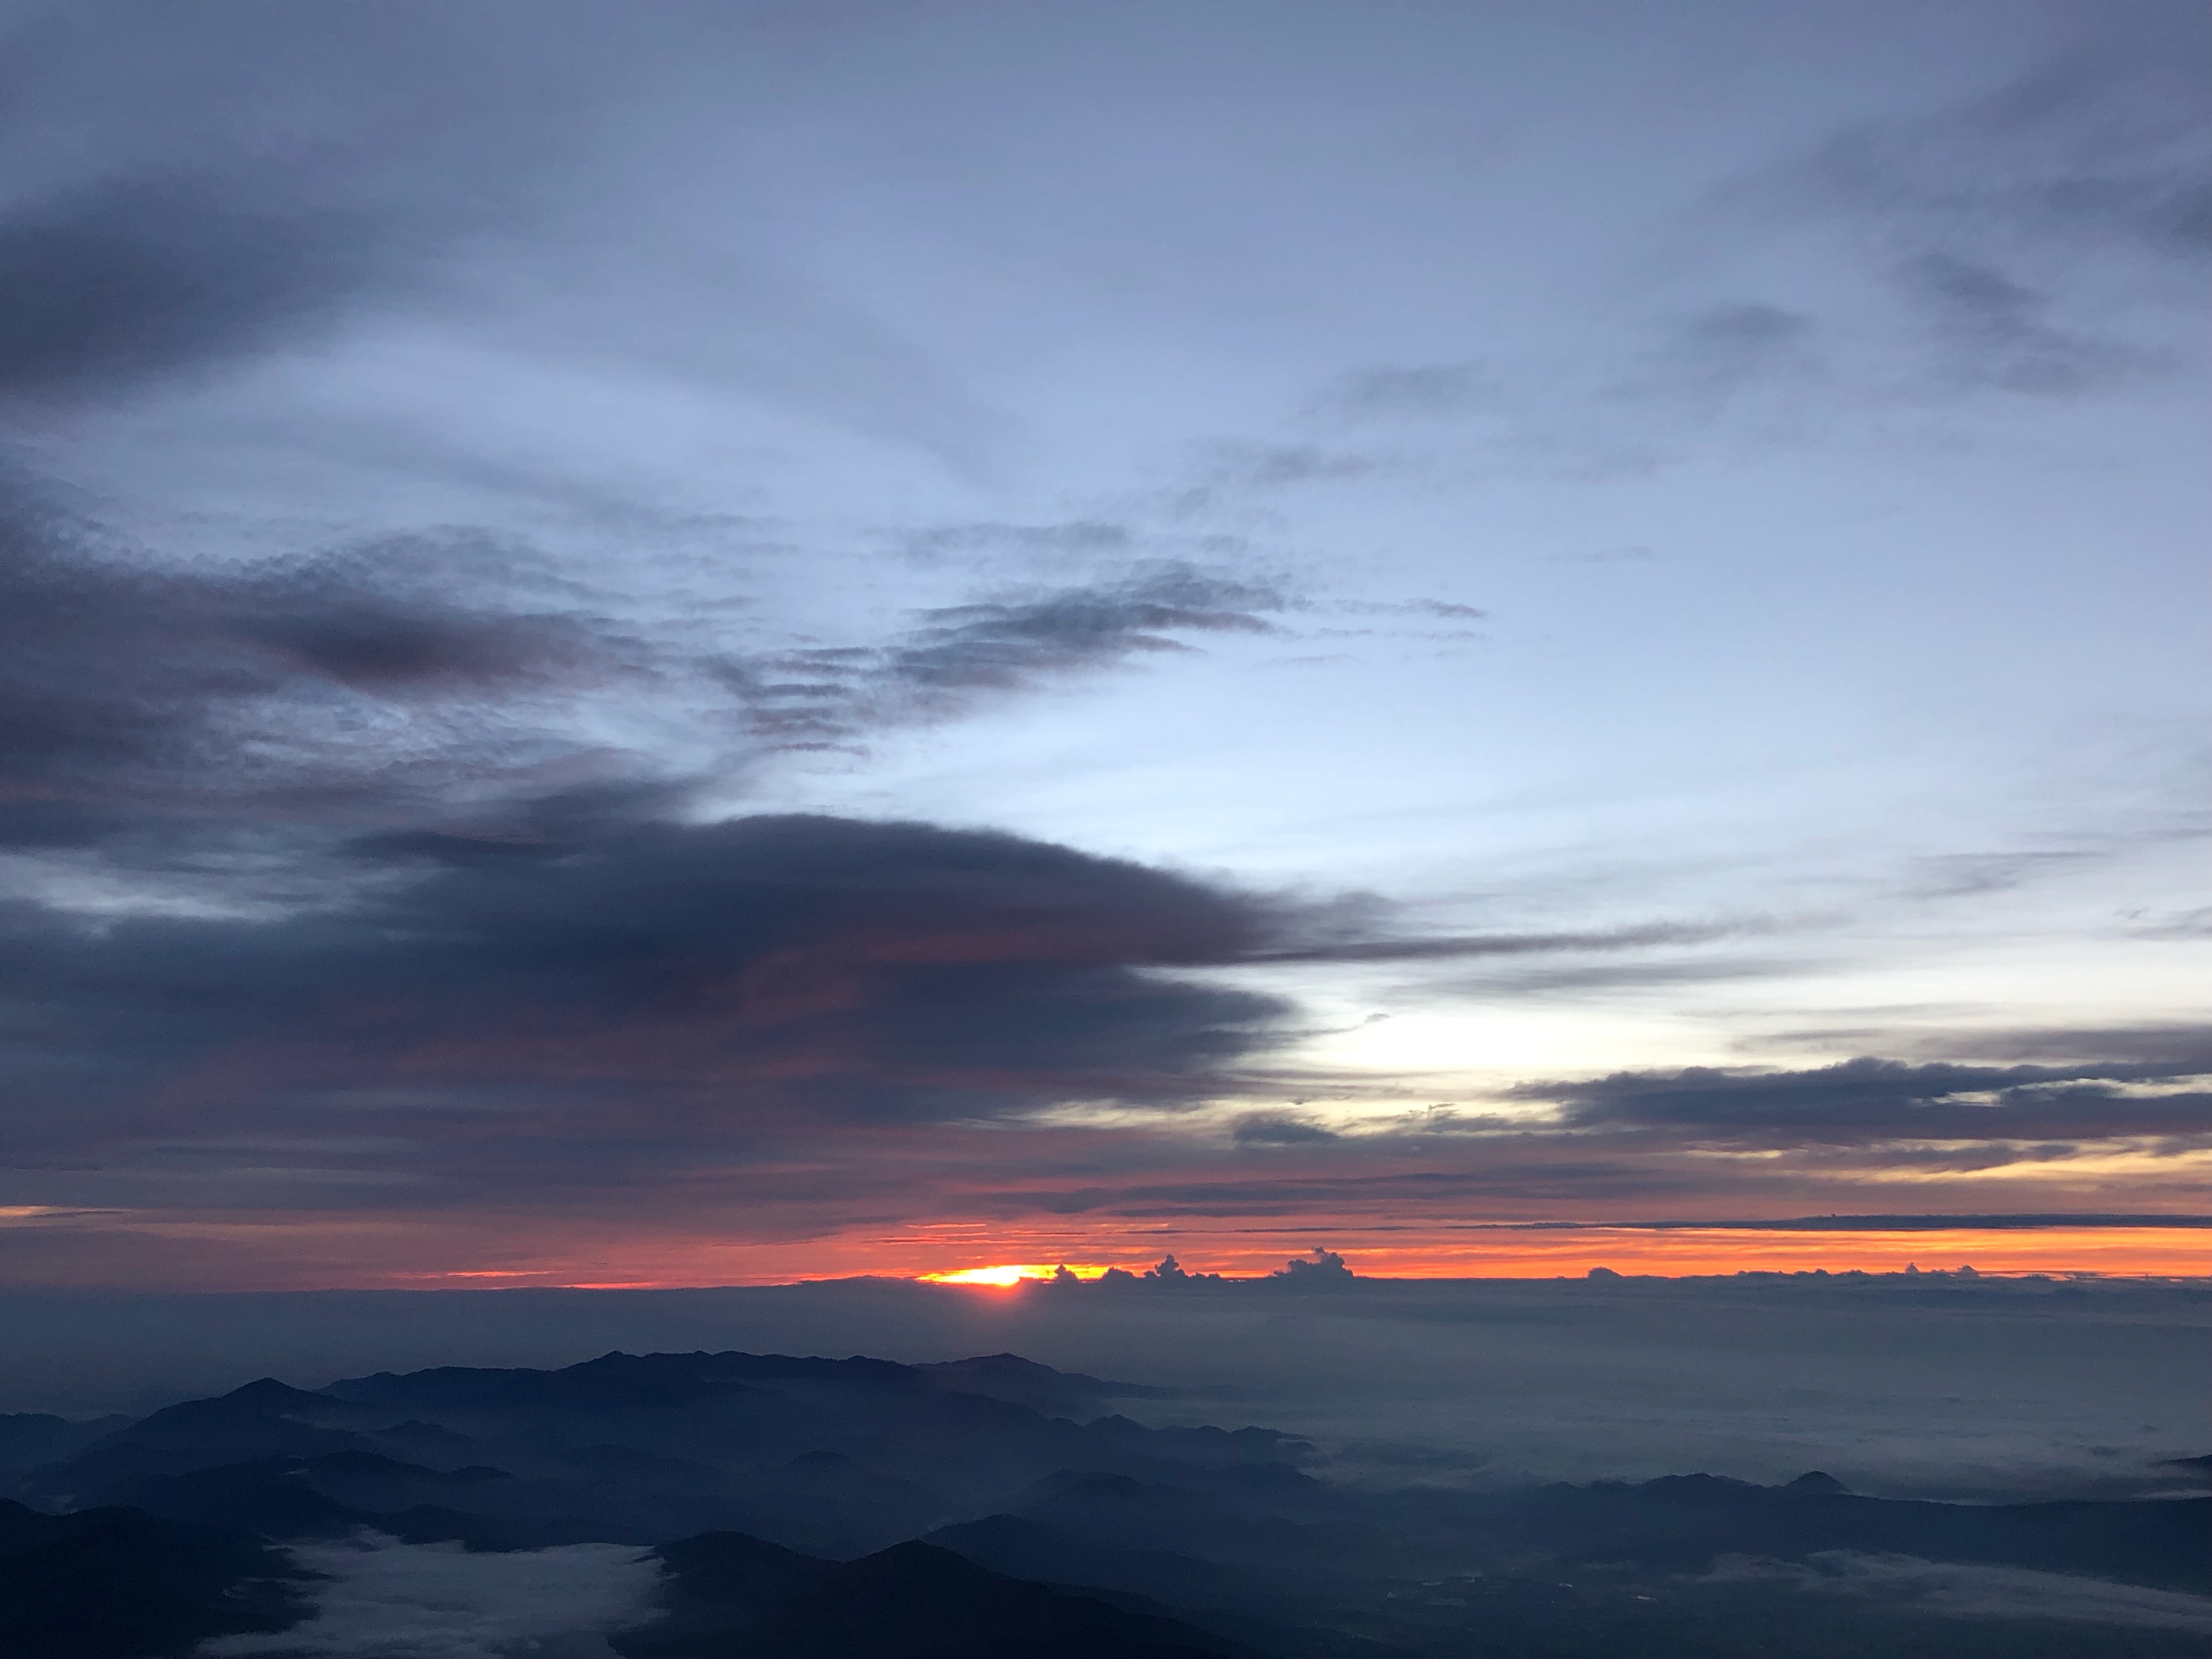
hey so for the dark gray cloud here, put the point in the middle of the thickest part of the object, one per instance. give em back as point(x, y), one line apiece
point(587, 968)
point(2102, 148)
point(1346, 932)
point(1581, 979)
point(1926, 1224)
point(2031, 234)
point(157, 710)
point(135, 697)
point(1702, 362)
point(954, 655)
point(1075, 536)
point(2039, 238)
point(2177, 925)
point(1263, 466)
point(727, 978)
point(1411, 391)
point(1870, 1100)
point(119, 282)
point(1990, 331)
point(1966, 875)
point(189, 191)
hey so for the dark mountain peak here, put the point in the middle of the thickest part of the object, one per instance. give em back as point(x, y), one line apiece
point(435, 1386)
point(994, 1362)
point(1013, 1368)
point(714, 1563)
point(357, 1461)
point(1816, 1480)
point(999, 1528)
point(1702, 1488)
point(267, 1395)
point(911, 1562)
point(254, 1422)
point(1275, 1478)
point(619, 1363)
point(30, 1438)
point(415, 1432)
point(614, 1381)
point(1090, 1483)
point(787, 1367)
point(649, 1379)
point(1019, 1381)
point(1024, 1548)
point(265, 1402)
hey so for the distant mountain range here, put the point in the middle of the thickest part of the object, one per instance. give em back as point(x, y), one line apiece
point(866, 1510)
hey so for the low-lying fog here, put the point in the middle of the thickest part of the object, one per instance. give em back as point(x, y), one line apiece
point(1938, 1387)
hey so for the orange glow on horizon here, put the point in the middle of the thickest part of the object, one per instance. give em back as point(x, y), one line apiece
point(307, 1253)
point(2151, 1252)
point(2156, 1252)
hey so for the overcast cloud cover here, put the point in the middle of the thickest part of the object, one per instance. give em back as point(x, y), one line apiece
point(721, 641)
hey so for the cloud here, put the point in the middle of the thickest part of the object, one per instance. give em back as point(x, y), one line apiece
point(1281, 1129)
point(1953, 1590)
point(1411, 392)
point(381, 1599)
point(2101, 150)
point(1866, 1100)
point(1360, 945)
point(1826, 1223)
point(121, 282)
point(657, 986)
point(1990, 331)
point(954, 655)
point(2043, 237)
point(1265, 466)
point(156, 711)
point(1966, 875)
point(188, 194)
point(1073, 538)
point(2194, 924)
point(134, 696)
point(1704, 360)
point(1581, 979)
point(2188, 1047)
point(593, 971)
point(2028, 238)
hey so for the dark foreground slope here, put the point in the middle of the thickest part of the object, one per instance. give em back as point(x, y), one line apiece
point(727, 1594)
point(118, 1583)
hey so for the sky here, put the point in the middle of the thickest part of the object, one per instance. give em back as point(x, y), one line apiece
point(718, 643)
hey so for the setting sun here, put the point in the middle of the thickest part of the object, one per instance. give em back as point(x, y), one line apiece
point(1001, 1276)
